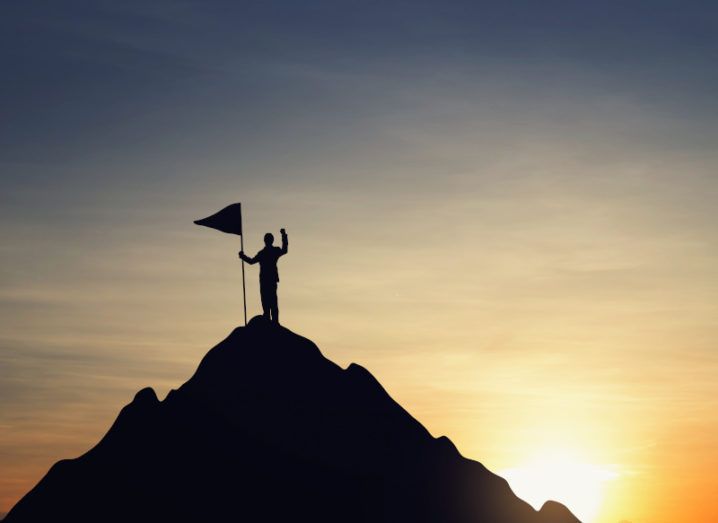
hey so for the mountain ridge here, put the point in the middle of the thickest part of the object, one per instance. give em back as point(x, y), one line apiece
point(267, 428)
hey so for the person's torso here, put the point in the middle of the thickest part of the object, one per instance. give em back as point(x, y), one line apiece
point(268, 263)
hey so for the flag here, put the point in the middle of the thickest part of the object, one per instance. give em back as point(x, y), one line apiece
point(227, 220)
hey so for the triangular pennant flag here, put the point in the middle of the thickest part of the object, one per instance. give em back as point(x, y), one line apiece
point(227, 220)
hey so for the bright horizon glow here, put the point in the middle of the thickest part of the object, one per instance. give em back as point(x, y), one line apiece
point(562, 476)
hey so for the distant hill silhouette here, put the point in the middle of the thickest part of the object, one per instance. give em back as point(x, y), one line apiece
point(269, 430)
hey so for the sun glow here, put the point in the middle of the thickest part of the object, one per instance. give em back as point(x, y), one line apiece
point(562, 477)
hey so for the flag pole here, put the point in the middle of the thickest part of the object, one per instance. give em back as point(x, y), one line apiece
point(244, 286)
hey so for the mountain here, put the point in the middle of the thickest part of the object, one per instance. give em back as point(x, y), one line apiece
point(269, 430)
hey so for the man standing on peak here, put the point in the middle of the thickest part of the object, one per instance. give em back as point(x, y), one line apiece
point(268, 273)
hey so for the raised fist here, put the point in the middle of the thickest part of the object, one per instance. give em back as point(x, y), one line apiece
point(283, 231)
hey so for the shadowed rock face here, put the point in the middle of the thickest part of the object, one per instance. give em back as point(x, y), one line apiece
point(268, 430)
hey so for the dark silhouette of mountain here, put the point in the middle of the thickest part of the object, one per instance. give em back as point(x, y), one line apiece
point(269, 430)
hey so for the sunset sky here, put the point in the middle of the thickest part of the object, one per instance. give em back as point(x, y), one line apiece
point(505, 210)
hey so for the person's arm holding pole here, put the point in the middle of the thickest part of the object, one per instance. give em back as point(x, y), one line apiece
point(246, 258)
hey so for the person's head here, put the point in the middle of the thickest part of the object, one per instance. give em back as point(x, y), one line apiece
point(268, 239)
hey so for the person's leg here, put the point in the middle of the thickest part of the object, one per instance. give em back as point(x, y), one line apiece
point(265, 293)
point(274, 306)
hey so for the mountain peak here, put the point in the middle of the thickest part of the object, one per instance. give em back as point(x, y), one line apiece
point(268, 429)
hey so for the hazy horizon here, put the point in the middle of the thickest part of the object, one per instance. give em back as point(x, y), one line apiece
point(505, 211)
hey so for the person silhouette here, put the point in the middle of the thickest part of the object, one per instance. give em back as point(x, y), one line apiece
point(268, 273)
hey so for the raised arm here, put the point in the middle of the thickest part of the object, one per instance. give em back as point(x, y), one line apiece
point(246, 258)
point(285, 241)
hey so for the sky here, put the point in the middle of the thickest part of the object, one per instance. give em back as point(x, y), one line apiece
point(504, 210)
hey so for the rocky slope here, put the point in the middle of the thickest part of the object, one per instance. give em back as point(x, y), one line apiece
point(269, 430)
